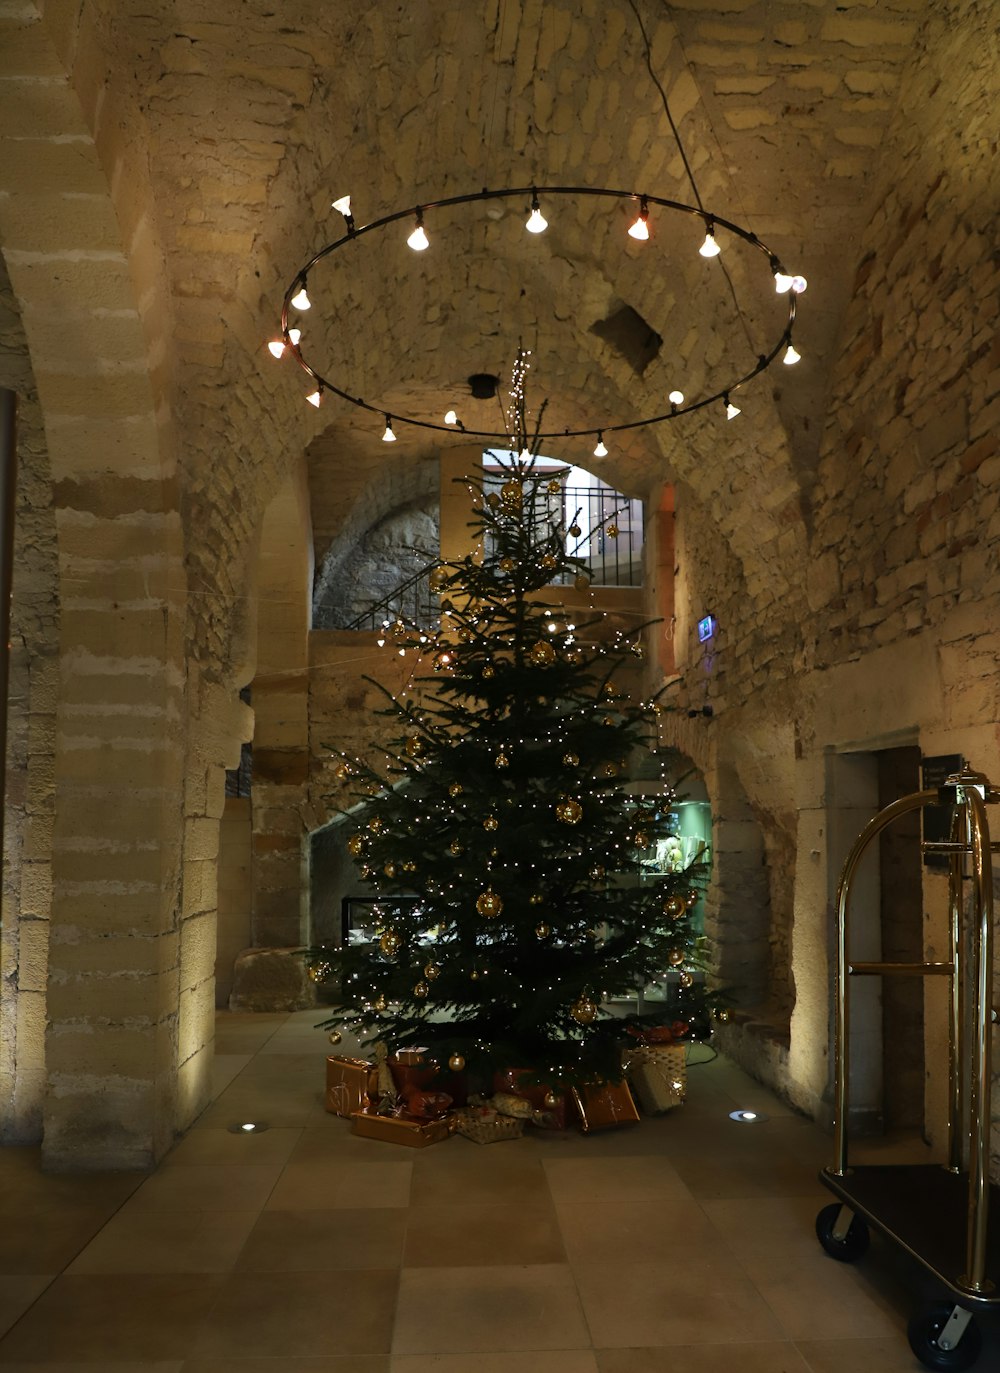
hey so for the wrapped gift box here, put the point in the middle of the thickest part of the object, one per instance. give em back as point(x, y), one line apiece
point(406, 1130)
point(351, 1085)
point(483, 1125)
point(657, 1074)
point(605, 1106)
point(545, 1117)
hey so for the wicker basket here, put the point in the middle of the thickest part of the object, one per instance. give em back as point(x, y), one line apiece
point(487, 1131)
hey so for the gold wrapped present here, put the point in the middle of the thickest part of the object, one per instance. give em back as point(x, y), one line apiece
point(483, 1125)
point(657, 1074)
point(406, 1130)
point(605, 1106)
point(351, 1085)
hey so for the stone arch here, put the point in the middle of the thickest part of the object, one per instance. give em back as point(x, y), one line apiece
point(113, 1055)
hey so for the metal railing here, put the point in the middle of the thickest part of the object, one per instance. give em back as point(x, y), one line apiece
point(412, 601)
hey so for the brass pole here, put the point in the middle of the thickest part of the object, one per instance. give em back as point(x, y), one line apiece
point(979, 1123)
point(8, 498)
point(956, 1005)
point(842, 1026)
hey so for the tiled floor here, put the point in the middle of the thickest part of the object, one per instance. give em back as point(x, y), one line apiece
point(685, 1245)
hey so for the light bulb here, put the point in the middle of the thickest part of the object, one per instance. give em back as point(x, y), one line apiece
point(537, 223)
point(782, 283)
point(731, 410)
point(601, 450)
point(293, 337)
point(343, 204)
point(301, 299)
point(276, 347)
point(676, 398)
point(315, 397)
point(791, 356)
point(799, 284)
point(418, 240)
point(640, 229)
point(451, 417)
point(710, 248)
point(388, 436)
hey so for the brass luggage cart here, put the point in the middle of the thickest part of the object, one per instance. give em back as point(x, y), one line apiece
point(947, 1217)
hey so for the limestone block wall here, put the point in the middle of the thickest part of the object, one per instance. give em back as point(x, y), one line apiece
point(235, 893)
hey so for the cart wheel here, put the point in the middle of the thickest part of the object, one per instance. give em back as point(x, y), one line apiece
point(854, 1243)
point(923, 1331)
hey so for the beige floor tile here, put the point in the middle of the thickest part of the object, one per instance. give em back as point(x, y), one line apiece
point(534, 1361)
point(46, 1244)
point(216, 1146)
point(320, 1186)
point(488, 1309)
point(708, 1358)
point(206, 1187)
point(26, 1190)
point(317, 1241)
point(818, 1298)
point(463, 1173)
point(729, 1175)
point(295, 1315)
point(226, 1068)
point(17, 1295)
point(349, 1363)
point(89, 1318)
point(100, 1366)
point(766, 1225)
point(698, 1302)
point(333, 1143)
point(639, 1231)
point(154, 1241)
point(456, 1236)
point(885, 1355)
point(637, 1178)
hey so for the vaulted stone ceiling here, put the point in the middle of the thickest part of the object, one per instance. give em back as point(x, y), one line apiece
point(248, 118)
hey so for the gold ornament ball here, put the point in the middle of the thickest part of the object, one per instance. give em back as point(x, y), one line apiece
point(431, 971)
point(489, 903)
point(343, 772)
point(455, 848)
point(543, 931)
point(536, 898)
point(597, 874)
point(355, 845)
point(550, 1100)
point(674, 906)
point(502, 761)
point(414, 746)
point(722, 1016)
point(641, 839)
point(409, 866)
point(335, 1037)
point(692, 896)
point(379, 1004)
point(456, 1063)
point(686, 980)
point(490, 823)
point(511, 494)
point(612, 531)
point(493, 500)
point(542, 654)
point(581, 583)
point(376, 825)
point(575, 531)
point(584, 1011)
point(675, 957)
point(610, 769)
point(554, 487)
point(437, 579)
point(421, 990)
point(570, 812)
point(390, 869)
point(455, 789)
point(488, 671)
point(571, 760)
point(390, 943)
point(475, 974)
point(610, 689)
point(507, 564)
point(549, 561)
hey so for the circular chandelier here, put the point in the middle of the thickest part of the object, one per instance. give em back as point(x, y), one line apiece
point(297, 302)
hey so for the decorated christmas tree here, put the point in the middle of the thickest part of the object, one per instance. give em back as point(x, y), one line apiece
point(500, 838)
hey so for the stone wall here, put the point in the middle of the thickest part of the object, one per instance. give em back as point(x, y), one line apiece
point(389, 554)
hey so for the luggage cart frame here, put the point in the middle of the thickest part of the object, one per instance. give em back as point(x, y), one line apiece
point(947, 1217)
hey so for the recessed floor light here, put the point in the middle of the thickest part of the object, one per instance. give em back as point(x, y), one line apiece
point(746, 1117)
point(247, 1127)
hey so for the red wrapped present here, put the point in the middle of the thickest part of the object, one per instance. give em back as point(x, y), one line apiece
point(605, 1106)
point(411, 1071)
point(410, 1131)
point(351, 1085)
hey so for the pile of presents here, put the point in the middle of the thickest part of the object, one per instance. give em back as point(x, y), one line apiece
point(409, 1099)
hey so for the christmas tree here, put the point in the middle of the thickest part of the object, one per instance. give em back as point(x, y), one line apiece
point(500, 838)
